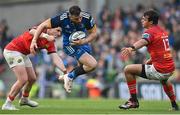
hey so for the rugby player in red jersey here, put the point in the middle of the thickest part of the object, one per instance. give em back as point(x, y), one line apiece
point(16, 53)
point(159, 67)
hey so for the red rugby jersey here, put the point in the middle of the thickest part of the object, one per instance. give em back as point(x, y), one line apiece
point(159, 49)
point(22, 44)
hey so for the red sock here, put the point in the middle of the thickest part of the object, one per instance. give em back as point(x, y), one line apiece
point(169, 91)
point(11, 98)
point(132, 87)
point(25, 94)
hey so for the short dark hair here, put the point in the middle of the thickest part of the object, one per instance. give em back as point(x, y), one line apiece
point(75, 10)
point(152, 16)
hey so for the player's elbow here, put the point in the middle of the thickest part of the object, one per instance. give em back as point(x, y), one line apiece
point(32, 31)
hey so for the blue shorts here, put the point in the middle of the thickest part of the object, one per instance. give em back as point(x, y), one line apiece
point(77, 51)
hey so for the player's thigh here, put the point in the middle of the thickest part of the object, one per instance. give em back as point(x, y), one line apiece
point(31, 74)
point(14, 58)
point(15, 61)
point(88, 60)
point(29, 69)
point(20, 72)
point(153, 74)
point(135, 69)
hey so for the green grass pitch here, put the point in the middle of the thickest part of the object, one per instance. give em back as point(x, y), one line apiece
point(88, 106)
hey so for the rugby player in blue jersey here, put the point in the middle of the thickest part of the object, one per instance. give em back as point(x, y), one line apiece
point(71, 21)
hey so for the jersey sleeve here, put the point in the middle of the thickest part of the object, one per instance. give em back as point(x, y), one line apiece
point(147, 36)
point(51, 48)
point(89, 20)
point(55, 21)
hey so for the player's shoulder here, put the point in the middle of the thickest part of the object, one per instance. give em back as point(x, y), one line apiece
point(149, 31)
point(63, 15)
point(85, 14)
point(154, 29)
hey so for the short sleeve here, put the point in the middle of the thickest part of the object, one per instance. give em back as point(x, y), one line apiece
point(55, 21)
point(51, 47)
point(147, 36)
point(89, 20)
point(90, 23)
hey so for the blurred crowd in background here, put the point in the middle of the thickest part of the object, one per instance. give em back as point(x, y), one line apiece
point(116, 29)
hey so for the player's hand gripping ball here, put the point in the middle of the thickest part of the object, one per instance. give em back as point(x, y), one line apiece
point(77, 36)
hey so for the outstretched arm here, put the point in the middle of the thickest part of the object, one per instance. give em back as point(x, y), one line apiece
point(43, 35)
point(57, 61)
point(139, 44)
point(45, 25)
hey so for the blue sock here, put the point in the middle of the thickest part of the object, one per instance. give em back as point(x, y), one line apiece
point(71, 75)
point(79, 70)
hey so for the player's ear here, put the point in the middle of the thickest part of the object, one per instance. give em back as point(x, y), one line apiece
point(151, 22)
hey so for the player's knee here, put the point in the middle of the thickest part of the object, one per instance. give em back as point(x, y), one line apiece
point(23, 80)
point(127, 69)
point(93, 65)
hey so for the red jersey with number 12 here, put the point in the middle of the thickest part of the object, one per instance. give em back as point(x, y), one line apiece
point(22, 44)
point(159, 49)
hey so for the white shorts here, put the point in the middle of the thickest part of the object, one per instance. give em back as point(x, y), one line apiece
point(15, 58)
point(151, 73)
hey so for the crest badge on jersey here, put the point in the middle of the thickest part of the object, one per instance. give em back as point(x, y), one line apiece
point(67, 26)
point(146, 35)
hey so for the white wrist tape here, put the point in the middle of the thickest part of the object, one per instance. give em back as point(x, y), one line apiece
point(45, 36)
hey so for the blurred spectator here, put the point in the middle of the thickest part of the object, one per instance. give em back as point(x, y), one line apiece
point(94, 88)
point(4, 38)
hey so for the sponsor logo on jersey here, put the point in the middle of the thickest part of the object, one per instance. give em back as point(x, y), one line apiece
point(146, 35)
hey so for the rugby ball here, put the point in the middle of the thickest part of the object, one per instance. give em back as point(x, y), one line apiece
point(77, 36)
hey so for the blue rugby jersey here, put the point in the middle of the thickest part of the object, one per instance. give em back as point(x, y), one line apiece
point(68, 27)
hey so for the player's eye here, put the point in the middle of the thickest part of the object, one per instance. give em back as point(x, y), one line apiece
point(144, 19)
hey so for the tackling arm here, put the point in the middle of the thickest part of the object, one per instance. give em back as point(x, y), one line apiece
point(137, 45)
point(57, 61)
point(43, 35)
point(140, 44)
point(45, 25)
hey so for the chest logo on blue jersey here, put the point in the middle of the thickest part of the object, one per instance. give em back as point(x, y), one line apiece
point(67, 26)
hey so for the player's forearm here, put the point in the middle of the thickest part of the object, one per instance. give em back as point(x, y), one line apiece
point(38, 33)
point(139, 44)
point(90, 38)
point(43, 35)
point(40, 28)
point(57, 61)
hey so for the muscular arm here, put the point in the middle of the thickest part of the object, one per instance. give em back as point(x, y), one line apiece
point(43, 35)
point(139, 44)
point(92, 35)
point(45, 25)
point(57, 61)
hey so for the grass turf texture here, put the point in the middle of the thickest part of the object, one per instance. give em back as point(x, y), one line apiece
point(87, 106)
